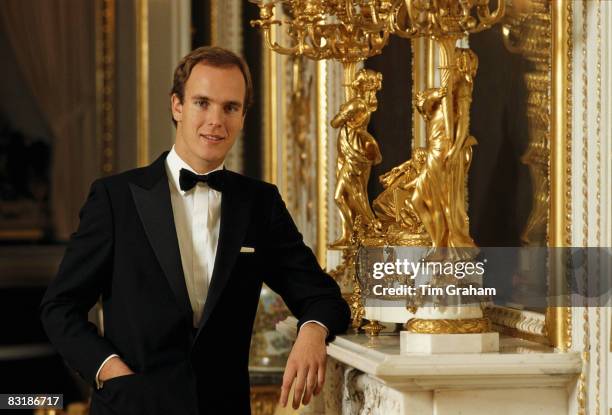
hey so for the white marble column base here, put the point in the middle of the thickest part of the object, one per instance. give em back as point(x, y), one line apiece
point(448, 343)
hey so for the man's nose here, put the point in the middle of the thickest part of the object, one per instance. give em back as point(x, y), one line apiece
point(215, 116)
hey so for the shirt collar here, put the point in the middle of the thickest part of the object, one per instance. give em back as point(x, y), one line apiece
point(174, 164)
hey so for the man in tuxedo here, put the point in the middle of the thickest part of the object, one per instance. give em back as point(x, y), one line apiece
point(178, 252)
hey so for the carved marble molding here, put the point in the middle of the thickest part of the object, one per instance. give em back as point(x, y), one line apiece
point(522, 323)
point(364, 395)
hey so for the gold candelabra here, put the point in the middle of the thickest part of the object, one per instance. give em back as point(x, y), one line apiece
point(424, 198)
point(344, 30)
point(348, 31)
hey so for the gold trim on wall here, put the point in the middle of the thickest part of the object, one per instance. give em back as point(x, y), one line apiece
point(270, 130)
point(558, 319)
point(322, 179)
point(282, 137)
point(105, 83)
point(142, 82)
point(560, 170)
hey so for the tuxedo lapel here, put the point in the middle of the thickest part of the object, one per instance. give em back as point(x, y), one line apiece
point(151, 195)
point(235, 216)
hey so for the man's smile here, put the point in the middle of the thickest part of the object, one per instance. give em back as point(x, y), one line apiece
point(212, 137)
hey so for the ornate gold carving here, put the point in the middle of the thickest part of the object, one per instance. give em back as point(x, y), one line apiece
point(447, 326)
point(357, 152)
point(393, 208)
point(348, 32)
point(434, 198)
point(442, 19)
point(328, 29)
point(345, 274)
point(356, 304)
point(439, 195)
point(373, 328)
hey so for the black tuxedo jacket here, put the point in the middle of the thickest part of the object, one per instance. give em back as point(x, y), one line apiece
point(126, 251)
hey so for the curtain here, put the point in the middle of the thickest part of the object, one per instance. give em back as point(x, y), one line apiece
point(54, 45)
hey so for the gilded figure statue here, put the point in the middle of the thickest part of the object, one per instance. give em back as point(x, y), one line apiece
point(393, 208)
point(357, 152)
point(439, 190)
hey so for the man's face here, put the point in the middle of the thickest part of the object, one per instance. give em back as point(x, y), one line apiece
point(211, 115)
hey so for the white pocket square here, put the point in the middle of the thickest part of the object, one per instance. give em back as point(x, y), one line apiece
point(247, 249)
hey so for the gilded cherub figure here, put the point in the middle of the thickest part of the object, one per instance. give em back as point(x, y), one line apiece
point(357, 152)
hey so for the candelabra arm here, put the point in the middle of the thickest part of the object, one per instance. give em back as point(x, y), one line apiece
point(273, 44)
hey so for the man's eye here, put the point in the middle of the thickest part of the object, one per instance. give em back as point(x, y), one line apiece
point(232, 108)
point(201, 103)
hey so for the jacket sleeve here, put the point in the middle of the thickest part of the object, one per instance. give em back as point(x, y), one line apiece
point(83, 273)
point(293, 272)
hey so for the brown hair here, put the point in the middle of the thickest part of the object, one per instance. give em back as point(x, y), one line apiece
point(213, 56)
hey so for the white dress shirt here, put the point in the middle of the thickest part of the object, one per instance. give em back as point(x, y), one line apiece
point(197, 215)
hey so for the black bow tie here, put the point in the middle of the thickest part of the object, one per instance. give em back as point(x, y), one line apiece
point(188, 179)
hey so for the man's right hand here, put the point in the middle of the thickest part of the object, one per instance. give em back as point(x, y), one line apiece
point(114, 368)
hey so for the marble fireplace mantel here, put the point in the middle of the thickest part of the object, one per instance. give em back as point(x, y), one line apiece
point(371, 376)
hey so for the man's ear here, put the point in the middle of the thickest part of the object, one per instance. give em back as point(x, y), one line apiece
point(177, 108)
